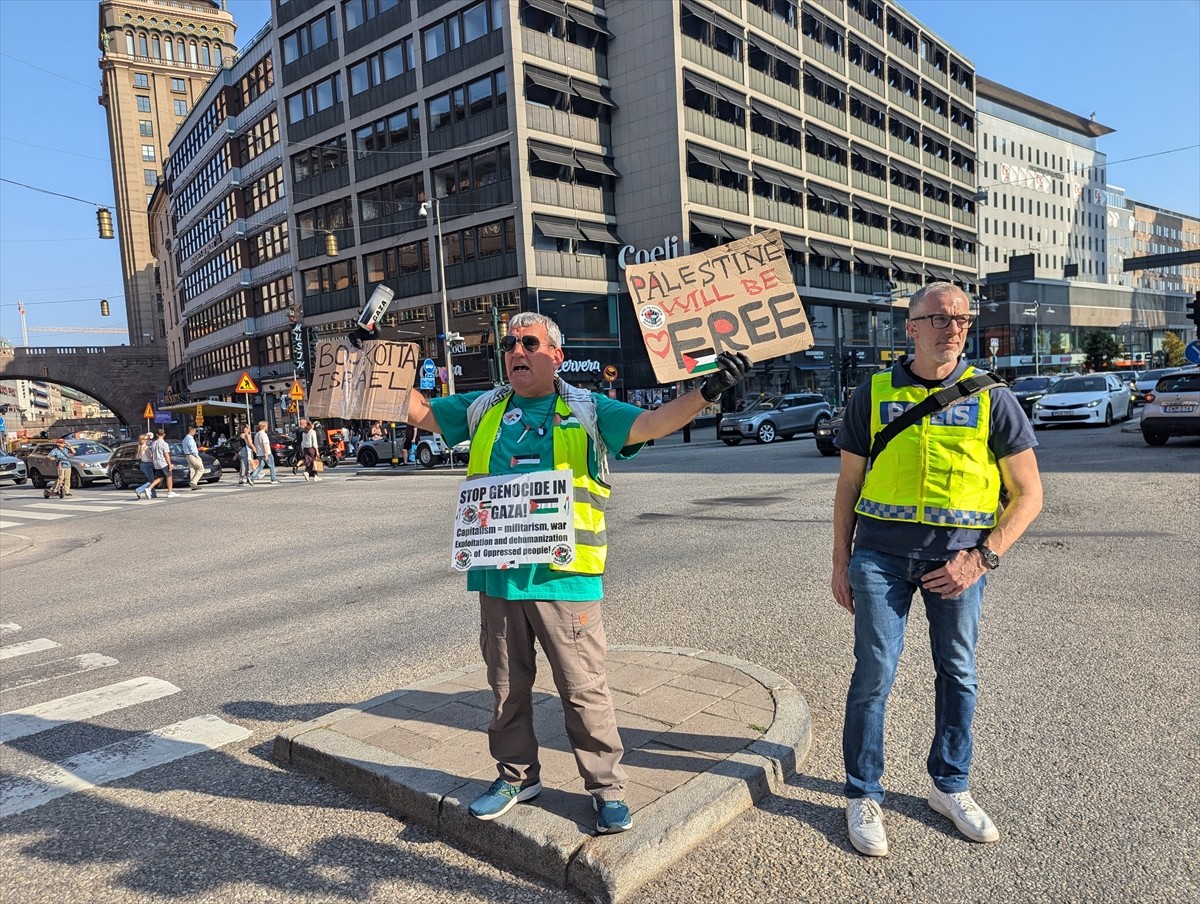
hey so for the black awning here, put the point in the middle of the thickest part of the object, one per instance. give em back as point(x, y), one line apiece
point(911, 171)
point(549, 153)
point(907, 218)
point(879, 210)
point(766, 111)
point(873, 156)
point(556, 227)
point(769, 175)
point(588, 20)
point(795, 183)
point(596, 163)
point(795, 123)
point(735, 164)
point(553, 7)
point(912, 268)
point(701, 13)
point(595, 93)
point(551, 80)
point(939, 273)
point(825, 194)
point(710, 226)
point(872, 259)
point(794, 242)
point(599, 232)
point(735, 229)
point(825, 135)
point(734, 97)
point(700, 83)
point(937, 183)
point(705, 156)
point(827, 250)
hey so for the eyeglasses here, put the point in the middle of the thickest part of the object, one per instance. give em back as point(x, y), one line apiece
point(942, 321)
point(530, 343)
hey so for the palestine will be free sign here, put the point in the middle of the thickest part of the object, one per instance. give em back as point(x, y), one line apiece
point(738, 297)
point(514, 519)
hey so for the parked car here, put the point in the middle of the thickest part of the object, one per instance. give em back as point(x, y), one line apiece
point(1029, 389)
point(1173, 408)
point(282, 447)
point(430, 450)
point(772, 417)
point(1144, 384)
point(125, 472)
point(88, 463)
point(1090, 399)
point(826, 433)
point(12, 468)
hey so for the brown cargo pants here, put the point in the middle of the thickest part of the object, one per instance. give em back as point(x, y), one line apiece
point(572, 637)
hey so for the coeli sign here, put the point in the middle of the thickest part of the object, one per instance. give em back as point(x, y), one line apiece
point(631, 255)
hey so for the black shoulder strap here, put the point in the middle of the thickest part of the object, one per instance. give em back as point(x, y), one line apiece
point(932, 404)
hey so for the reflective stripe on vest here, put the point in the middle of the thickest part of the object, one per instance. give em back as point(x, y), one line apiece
point(939, 471)
point(570, 454)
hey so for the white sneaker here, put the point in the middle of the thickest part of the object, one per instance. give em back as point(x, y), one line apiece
point(172, 495)
point(967, 815)
point(316, 478)
point(864, 821)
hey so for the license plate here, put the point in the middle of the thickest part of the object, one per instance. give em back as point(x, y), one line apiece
point(1062, 414)
point(1179, 409)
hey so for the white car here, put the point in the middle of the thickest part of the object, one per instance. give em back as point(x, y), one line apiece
point(12, 468)
point(429, 450)
point(1173, 408)
point(1144, 384)
point(1088, 399)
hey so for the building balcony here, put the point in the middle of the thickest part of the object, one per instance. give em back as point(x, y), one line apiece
point(827, 169)
point(712, 59)
point(868, 132)
point(935, 75)
point(869, 29)
point(909, 244)
point(872, 83)
point(868, 183)
point(819, 223)
point(904, 148)
point(935, 119)
point(904, 101)
point(966, 217)
point(587, 198)
point(778, 151)
point(558, 53)
point(824, 55)
point(818, 108)
point(788, 95)
point(557, 123)
point(937, 252)
point(962, 93)
point(575, 266)
point(872, 235)
point(777, 28)
point(837, 280)
point(937, 208)
point(728, 199)
point(776, 212)
point(700, 123)
point(938, 164)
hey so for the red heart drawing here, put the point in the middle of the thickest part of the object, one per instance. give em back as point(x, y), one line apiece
point(662, 337)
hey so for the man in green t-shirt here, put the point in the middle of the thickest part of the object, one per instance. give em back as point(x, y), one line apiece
point(525, 426)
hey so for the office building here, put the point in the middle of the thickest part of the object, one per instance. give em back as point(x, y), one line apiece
point(156, 58)
point(221, 226)
point(552, 142)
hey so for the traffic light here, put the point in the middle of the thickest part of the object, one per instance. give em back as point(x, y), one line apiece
point(104, 312)
point(104, 223)
point(1193, 311)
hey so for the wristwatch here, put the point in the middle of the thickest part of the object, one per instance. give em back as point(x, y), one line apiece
point(990, 559)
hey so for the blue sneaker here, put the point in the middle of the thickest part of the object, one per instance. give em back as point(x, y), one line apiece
point(502, 797)
point(612, 816)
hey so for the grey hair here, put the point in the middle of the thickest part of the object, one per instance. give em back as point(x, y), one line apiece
point(933, 290)
point(526, 319)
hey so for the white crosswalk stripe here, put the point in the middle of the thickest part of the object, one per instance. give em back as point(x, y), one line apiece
point(20, 723)
point(25, 513)
point(9, 628)
point(26, 647)
point(73, 507)
point(57, 668)
point(116, 761)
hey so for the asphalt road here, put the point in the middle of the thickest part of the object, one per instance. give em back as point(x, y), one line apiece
point(272, 605)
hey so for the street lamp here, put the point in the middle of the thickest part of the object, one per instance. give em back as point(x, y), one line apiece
point(1034, 312)
point(447, 336)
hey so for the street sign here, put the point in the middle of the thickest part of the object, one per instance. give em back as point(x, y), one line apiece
point(292, 408)
point(246, 385)
point(199, 416)
point(994, 344)
point(163, 417)
point(149, 412)
point(1, 424)
point(296, 393)
point(610, 373)
point(1192, 352)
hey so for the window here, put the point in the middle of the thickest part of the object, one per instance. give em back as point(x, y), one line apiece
point(146, 128)
point(308, 37)
point(462, 28)
point(141, 80)
point(381, 67)
point(320, 158)
point(315, 98)
point(180, 108)
point(148, 152)
point(356, 12)
point(711, 35)
point(150, 176)
point(395, 131)
point(468, 100)
point(179, 86)
point(143, 103)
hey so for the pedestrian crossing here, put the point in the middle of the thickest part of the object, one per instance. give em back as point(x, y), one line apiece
point(20, 508)
point(43, 783)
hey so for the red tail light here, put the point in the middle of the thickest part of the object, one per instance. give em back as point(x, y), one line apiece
point(1149, 397)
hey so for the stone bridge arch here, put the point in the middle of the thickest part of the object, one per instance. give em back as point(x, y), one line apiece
point(120, 377)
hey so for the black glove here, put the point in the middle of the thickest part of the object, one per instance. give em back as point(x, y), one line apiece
point(358, 334)
point(731, 367)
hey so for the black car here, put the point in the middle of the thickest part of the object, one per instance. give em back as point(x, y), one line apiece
point(282, 447)
point(826, 436)
point(125, 471)
point(1029, 389)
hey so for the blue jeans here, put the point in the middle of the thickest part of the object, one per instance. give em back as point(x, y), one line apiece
point(883, 591)
point(265, 461)
point(148, 470)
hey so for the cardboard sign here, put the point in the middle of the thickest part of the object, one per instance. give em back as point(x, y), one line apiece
point(738, 297)
point(514, 519)
point(371, 383)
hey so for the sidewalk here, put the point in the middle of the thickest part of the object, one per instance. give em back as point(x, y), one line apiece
point(706, 736)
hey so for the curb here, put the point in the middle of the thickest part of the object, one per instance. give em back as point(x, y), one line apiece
point(563, 851)
point(11, 544)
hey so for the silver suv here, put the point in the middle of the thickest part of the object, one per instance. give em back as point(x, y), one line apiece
point(1172, 408)
point(771, 417)
point(89, 463)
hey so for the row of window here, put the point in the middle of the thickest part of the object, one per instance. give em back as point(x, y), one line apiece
point(381, 66)
point(202, 183)
point(274, 296)
point(1051, 161)
point(462, 28)
point(205, 230)
point(225, 360)
point(264, 191)
point(269, 244)
point(143, 105)
point(223, 314)
point(320, 158)
point(259, 137)
point(162, 47)
point(224, 265)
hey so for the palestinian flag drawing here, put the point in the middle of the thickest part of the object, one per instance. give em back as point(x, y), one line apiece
point(543, 506)
point(519, 460)
point(703, 362)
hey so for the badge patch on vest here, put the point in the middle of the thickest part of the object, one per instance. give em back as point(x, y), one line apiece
point(512, 416)
point(518, 460)
point(960, 414)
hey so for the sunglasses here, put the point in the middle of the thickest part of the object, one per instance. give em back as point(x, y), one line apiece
point(942, 321)
point(530, 343)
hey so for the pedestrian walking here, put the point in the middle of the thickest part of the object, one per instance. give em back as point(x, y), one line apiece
point(922, 514)
point(160, 458)
point(62, 477)
point(191, 452)
point(262, 450)
point(309, 449)
point(535, 423)
point(245, 441)
point(146, 463)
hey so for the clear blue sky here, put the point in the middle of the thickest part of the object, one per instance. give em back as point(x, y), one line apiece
point(1136, 63)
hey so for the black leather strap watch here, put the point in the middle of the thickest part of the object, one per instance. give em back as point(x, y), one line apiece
point(990, 559)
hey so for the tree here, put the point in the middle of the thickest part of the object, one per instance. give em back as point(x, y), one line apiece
point(1173, 350)
point(1099, 349)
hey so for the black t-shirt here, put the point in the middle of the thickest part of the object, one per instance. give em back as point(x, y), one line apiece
point(1009, 433)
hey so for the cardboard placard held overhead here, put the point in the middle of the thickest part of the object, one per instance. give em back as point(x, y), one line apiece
point(370, 383)
point(738, 297)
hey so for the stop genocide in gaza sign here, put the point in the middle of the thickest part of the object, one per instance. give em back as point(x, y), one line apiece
point(738, 297)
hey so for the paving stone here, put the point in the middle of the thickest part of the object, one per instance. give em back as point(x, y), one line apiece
point(710, 735)
point(670, 704)
point(637, 679)
point(720, 672)
point(694, 682)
